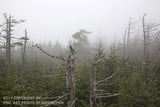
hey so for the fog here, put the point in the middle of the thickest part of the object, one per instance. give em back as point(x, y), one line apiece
point(52, 20)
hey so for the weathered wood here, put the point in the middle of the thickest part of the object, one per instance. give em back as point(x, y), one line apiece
point(128, 38)
point(112, 95)
point(124, 47)
point(70, 74)
point(7, 29)
point(91, 88)
point(108, 77)
point(70, 80)
point(8, 40)
point(57, 57)
point(145, 42)
point(55, 75)
point(73, 102)
point(59, 98)
point(24, 48)
point(126, 41)
point(93, 83)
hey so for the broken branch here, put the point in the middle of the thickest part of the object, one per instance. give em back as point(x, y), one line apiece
point(113, 95)
point(73, 102)
point(108, 77)
point(55, 75)
point(57, 57)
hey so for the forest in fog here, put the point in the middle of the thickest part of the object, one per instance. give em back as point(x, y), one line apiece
point(124, 73)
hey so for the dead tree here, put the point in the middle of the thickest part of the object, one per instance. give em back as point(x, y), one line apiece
point(8, 40)
point(25, 38)
point(7, 30)
point(149, 30)
point(126, 40)
point(94, 83)
point(145, 42)
point(124, 46)
point(70, 80)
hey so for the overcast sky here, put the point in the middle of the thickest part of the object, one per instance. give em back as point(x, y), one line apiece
point(51, 20)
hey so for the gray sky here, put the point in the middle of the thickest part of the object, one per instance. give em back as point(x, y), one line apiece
point(51, 20)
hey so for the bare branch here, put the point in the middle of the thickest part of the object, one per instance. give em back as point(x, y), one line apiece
point(55, 75)
point(103, 94)
point(113, 95)
point(60, 97)
point(57, 57)
point(73, 102)
point(99, 60)
point(108, 77)
point(104, 84)
point(98, 90)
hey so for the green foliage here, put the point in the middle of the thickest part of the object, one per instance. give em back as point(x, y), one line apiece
point(138, 89)
point(83, 83)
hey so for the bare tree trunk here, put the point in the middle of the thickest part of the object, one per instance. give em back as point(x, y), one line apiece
point(24, 48)
point(93, 83)
point(8, 41)
point(148, 30)
point(70, 78)
point(144, 43)
point(128, 37)
point(93, 87)
point(126, 43)
point(125, 50)
point(8, 24)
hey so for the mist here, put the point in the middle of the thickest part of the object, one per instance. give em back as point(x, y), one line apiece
point(80, 53)
point(52, 20)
